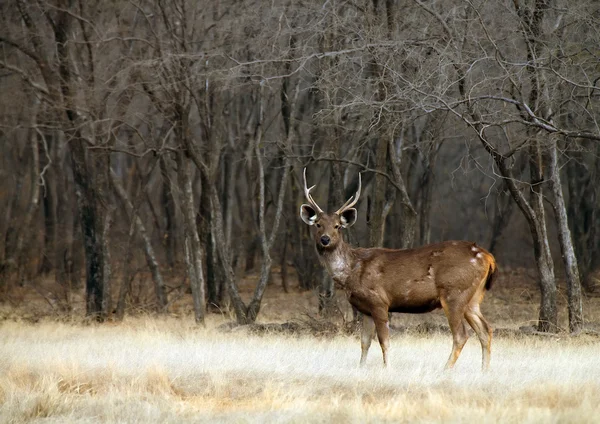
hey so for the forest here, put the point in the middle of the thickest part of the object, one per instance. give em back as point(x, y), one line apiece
point(158, 146)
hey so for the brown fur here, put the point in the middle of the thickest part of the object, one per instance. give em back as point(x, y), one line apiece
point(452, 275)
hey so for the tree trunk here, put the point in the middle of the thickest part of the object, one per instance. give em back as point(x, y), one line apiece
point(125, 288)
point(213, 282)
point(535, 215)
point(428, 153)
point(267, 241)
point(89, 195)
point(566, 243)
point(335, 199)
point(159, 285)
point(11, 217)
point(283, 263)
point(376, 221)
point(409, 215)
point(219, 236)
point(303, 251)
point(92, 227)
point(106, 271)
point(504, 208)
point(34, 200)
point(548, 318)
point(193, 248)
point(583, 214)
point(49, 207)
point(229, 177)
point(168, 203)
point(63, 253)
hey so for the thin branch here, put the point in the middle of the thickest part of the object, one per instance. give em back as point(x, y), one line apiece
point(49, 164)
point(25, 77)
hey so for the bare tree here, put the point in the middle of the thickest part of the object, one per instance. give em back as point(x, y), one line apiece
point(197, 118)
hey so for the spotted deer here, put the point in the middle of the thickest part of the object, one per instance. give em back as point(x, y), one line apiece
point(453, 275)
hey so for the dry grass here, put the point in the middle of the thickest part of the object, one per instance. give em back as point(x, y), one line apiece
point(56, 368)
point(165, 370)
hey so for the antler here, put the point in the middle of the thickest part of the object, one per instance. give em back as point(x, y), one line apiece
point(352, 200)
point(309, 197)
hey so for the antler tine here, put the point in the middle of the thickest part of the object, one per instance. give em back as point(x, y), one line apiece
point(352, 200)
point(309, 197)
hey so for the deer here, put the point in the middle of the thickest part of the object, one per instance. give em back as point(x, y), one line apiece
point(452, 275)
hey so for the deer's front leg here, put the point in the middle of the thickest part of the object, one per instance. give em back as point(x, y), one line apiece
point(383, 333)
point(366, 335)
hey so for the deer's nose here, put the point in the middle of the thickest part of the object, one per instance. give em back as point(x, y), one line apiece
point(325, 240)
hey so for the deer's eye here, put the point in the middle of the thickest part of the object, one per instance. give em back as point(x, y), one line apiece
point(318, 225)
point(337, 226)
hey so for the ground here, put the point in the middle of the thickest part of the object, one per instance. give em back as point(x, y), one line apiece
point(56, 367)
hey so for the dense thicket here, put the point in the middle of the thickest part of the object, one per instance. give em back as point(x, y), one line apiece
point(158, 135)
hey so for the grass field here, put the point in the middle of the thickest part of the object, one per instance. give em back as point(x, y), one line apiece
point(60, 369)
point(162, 370)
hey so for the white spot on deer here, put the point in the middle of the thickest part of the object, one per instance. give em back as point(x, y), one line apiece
point(473, 260)
point(474, 249)
point(479, 255)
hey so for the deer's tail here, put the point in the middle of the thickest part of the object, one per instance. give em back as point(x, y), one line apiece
point(492, 272)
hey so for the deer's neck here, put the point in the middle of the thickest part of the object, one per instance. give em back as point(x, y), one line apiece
point(339, 263)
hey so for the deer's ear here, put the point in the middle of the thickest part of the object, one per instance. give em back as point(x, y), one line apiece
point(308, 214)
point(348, 217)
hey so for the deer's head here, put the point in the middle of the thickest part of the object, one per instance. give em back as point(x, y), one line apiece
point(328, 225)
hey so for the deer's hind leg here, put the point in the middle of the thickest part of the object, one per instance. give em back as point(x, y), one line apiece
point(455, 313)
point(483, 330)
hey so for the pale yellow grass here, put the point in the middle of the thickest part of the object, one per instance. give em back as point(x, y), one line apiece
point(153, 370)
